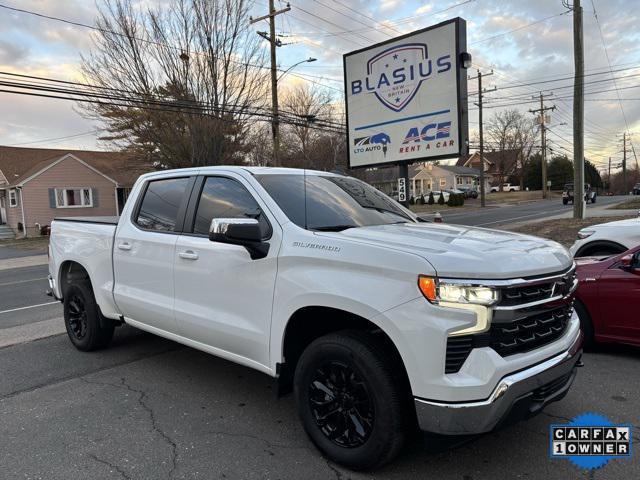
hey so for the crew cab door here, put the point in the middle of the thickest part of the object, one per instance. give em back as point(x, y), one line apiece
point(223, 298)
point(144, 251)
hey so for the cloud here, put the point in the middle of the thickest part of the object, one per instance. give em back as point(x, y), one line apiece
point(424, 9)
point(388, 4)
point(12, 53)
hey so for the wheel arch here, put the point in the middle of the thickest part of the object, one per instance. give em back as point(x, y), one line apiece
point(587, 247)
point(313, 321)
point(69, 272)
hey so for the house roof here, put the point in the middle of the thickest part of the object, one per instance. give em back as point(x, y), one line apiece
point(17, 163)
point(389, 174)
point(474, 172)
point(500, 162)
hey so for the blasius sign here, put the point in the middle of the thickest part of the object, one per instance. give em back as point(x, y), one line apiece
point(406, 98)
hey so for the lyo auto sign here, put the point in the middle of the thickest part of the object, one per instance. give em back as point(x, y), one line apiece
point(406, 98)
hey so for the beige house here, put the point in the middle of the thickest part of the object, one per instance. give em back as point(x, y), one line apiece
point(442, 177)
point(37, 185)
point(423, 178)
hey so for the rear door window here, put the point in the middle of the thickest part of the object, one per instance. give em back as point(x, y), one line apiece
point(161, 203)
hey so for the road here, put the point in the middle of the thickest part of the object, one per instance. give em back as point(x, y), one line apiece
point(494, 216)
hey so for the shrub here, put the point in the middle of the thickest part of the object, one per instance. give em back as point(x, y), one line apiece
point(452, 200)
point(431, 199)
point(441, 199)
point(412, 201)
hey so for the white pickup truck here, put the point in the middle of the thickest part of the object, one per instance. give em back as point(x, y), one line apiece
point(378, 322)
point(506, 187)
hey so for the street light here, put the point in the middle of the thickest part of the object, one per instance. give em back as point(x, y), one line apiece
point(308, 60)
point(275, 123)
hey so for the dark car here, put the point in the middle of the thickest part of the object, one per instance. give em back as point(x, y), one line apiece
point(636, 189)
point(608, 298)
point(469, 192)
point(567, 194)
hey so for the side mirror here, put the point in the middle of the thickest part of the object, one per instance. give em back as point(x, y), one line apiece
point(240, 231)
point(631, 263)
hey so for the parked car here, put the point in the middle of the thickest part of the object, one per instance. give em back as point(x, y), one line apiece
point(374, 320)
point(609, 238)
point(567, 194)
point(469, 191)
point(436, 195)
point(608, 298)
point(636, 189)
point(506, 187)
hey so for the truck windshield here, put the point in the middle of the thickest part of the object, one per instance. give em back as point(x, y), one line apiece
point(332, 203)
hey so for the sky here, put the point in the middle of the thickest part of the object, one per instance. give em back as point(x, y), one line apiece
point(521, 41)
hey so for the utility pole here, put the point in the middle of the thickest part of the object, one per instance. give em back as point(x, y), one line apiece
point(609, 177)
point(275, 42)
point(481, 130)
point(579, 207)
point(624, 163)
point(542, 120)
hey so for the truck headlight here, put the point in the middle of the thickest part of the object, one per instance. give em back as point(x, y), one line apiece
point(582, 234)
point(474, 298)
point(442, 291)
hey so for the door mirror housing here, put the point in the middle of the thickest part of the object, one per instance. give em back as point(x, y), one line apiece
point(631, 263)
point(240, 231)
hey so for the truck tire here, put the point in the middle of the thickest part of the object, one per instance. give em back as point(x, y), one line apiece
point(565, 201)
point(351, 400)
point(86, 327)
point(586, 325)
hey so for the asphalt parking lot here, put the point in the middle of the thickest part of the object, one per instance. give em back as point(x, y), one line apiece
point(148, 408)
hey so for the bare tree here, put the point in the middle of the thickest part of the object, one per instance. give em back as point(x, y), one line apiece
point(305, 142)
point(198, 66)
point(510, 130)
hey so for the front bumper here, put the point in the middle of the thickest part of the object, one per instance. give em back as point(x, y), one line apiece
point(517, 396)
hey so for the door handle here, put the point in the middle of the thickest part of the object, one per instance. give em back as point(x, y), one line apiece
point(124, 246)
point(188, 255)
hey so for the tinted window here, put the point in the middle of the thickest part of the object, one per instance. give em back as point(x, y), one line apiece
point(226, 198)
point(332, 202)
point(159, 207)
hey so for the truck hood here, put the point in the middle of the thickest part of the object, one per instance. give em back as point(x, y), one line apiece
point(459, 251)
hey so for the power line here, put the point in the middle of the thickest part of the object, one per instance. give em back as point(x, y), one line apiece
point(55, 139)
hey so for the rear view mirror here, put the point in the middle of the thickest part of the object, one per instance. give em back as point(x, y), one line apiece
point(239, 231)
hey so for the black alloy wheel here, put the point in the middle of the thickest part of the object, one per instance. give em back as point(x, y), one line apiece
point(353, 398)
point(77, 317)
point(86, 327)
point(341, 404)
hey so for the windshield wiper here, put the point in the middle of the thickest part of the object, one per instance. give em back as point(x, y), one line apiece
point(332, 228)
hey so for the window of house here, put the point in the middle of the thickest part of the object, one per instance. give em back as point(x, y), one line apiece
point(443, 182)
point(469, 180)
point(160, 204)
point(226, 198)
point(74, 197)
point(459, 180)
point(13, 198)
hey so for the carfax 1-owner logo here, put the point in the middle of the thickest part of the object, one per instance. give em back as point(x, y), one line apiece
point(590, 441)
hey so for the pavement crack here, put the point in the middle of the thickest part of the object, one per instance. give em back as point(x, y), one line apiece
point(142, 401)
point(154, 424)
point(115, 467)
point(338, 474)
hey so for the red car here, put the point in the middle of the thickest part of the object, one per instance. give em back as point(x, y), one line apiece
point(608, 298)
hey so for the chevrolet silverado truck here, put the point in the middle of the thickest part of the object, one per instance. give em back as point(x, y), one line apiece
point(376, 321)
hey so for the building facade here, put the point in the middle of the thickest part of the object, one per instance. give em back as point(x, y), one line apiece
point(37, 185)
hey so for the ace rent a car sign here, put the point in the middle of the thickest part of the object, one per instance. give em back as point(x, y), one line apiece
point(406, 98)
